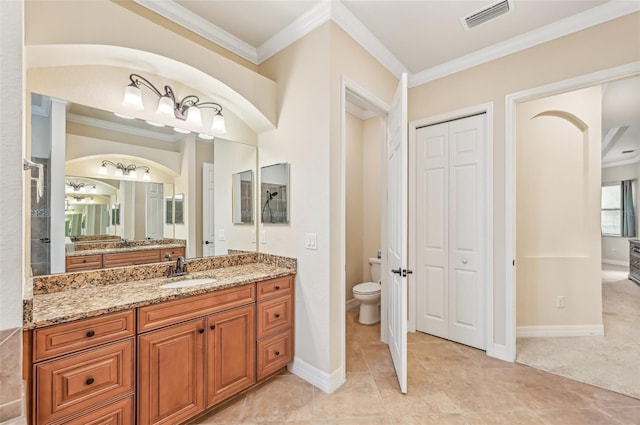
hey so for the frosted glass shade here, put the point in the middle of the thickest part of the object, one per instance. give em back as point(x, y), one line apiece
point(194, 115)
point(165, 106)
point(218, 124)
point(132, 98)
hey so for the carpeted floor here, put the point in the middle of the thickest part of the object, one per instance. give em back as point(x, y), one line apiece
point(611, 362)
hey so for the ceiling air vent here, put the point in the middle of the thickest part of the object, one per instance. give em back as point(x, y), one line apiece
point(486, 14)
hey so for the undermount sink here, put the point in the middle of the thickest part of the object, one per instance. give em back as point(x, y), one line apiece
point(188, 283)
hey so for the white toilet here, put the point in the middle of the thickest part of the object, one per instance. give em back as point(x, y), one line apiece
point(368, 293)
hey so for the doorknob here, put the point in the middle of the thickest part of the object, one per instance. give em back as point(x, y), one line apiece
point(465, 261)
point(207, 242)
point(396, 271)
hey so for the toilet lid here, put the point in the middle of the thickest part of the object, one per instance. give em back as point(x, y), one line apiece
point(366, 288)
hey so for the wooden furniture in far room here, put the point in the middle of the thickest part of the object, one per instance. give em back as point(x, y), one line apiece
point(634, 260)
point(77, 263)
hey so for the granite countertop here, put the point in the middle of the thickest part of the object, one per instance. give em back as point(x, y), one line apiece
point(123, 249)
point(74, 304)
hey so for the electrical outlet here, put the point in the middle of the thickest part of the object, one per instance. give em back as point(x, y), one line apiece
point(560, 301)
point(263, 236)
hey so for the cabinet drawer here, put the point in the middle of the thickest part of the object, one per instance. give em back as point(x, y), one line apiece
point(274, 353)
point(86, 333)
point(84, 262)
point(169, 313)
point(117, 413)
point(174, 252)
point(275, 315)
point(275, 287)
point(74, 383)
point(130, 258)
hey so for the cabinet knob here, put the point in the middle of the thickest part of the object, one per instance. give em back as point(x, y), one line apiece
point(212, 327)
point(90, 334)
point(277, 287)
point(201, 330)
point(277, 353)
point(277, 315)
point(90, 381)
point(84, 261)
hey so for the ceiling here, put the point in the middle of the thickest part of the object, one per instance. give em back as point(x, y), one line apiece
point(407, 36)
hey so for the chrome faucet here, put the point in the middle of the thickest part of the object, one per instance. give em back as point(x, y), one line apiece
point(181, 265)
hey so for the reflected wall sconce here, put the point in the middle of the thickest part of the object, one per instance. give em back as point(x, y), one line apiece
point(121, 170)
point(80, 187)
point(187, 109)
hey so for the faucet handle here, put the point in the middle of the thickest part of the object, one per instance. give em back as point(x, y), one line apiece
point(168, 256)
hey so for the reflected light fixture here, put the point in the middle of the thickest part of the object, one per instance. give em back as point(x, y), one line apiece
point(124, 170)
point(187, 109)
point(80, 187)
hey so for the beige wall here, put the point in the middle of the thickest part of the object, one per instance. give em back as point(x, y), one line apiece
point(601, 47)
point(363, 150)
point(616, 249)
point(557, 208)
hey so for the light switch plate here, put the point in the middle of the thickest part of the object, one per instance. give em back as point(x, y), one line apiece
point(221, 235)
point(263, 236)
point(311, 241)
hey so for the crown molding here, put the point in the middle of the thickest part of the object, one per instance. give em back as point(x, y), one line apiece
point(600, 14)
point(295, 31)
point(633, 160)
point(181, 16)
point(42, 109)
point(359, 112)
point(361, 34)
point(122, 128)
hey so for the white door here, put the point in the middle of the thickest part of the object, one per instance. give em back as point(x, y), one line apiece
point(450, 202)
point(208, 200)
point(395, 268)
point(154, 206)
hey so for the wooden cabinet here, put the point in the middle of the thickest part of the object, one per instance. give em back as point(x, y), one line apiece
point(84, 371)
point(174, 252)
point(231, 353)
point(83, 263)
point(275, 338)
point(130, 258)
point(171, 373)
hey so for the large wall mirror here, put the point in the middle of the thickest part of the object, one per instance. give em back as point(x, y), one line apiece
point(167, 198)
point(274, 193)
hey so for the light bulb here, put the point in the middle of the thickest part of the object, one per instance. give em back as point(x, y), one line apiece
point(181, 130)
point(155, 124)
point(132, 97)
point(102, 170)
point(218, 124)
point(126, 117)
point(204, 136)
point(133, 174)
point(119, 172)
point(82, 189)
point(165, 106)
point(194, 115)
point(147, 175)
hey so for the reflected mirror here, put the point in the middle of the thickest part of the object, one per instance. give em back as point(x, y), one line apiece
point(274, 193)
point(161, 203)
point(242, 197)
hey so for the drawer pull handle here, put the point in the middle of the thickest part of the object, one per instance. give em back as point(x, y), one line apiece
point(277, 287)
point(90, 381)
point(277, 315)
point(212, 327)
point(201, 330)
point(84, 261)
point(90, 334)
point(277, 353)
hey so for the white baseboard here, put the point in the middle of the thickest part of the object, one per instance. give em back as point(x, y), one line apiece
point(616, 262)
point(352, 303)
point(498, 351)
point(559, 331)
point(327, 382)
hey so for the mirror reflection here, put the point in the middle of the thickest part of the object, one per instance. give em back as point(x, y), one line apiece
point(155, 193)
point(274, 190)
point(243, 197)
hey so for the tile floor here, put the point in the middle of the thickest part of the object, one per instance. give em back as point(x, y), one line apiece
point(448, 384)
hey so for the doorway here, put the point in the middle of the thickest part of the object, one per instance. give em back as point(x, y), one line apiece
point(450, 234)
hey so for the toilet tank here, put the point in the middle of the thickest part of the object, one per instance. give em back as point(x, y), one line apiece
point(374, 266)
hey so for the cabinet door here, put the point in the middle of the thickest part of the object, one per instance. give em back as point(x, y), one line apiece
point(117, 413)
point(230, 353)
point(171, 373)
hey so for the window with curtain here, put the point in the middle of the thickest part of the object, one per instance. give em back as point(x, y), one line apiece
point(617, 210)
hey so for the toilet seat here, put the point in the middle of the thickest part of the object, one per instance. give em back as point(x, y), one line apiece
point(367, 288)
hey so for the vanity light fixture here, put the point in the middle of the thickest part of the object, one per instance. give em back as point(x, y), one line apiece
point(187, 109)
point(80, 187)
point(125, 170)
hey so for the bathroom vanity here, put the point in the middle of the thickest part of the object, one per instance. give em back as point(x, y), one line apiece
point(137, 352)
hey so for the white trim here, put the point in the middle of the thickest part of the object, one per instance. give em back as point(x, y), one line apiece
point(294, 31)
point(498, 351)
point(591, 17)
point(511, 100)
point(181, 16)
point(486, 108)
point(352, 304)
point(123, 128)
point(361, 34)
point(327, 382)
point(615, 262)
point(559, 331)
point(622, 162)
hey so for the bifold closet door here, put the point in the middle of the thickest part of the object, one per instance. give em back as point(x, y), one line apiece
point(451, 239)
